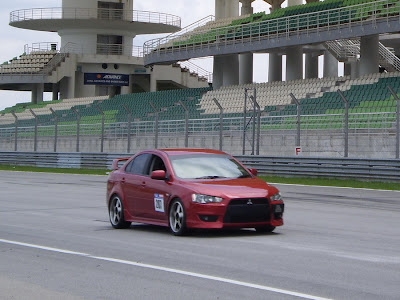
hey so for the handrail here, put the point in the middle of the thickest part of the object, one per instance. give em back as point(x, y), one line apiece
point(276, 28)
point(61, 13)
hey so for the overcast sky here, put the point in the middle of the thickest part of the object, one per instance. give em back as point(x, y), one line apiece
point(13, 39)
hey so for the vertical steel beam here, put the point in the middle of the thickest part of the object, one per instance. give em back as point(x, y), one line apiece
point(78, 124)
point(55, 128)
point(16, 131)
point(155, 125)
point(221, 122)
point(129, 127)
point(346, 123)
point(186, 123)
point(397, 121)
point(102, 128)
point(298, 134)
point(36, 130)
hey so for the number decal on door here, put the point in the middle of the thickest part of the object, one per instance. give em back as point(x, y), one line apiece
point(159, 202)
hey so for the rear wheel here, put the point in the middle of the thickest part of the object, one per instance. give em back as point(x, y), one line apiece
point(177, 218)
point(116, 213)
point(265, 229)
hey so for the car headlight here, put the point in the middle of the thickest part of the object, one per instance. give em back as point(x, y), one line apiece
point(199, 198)
point(276, 197)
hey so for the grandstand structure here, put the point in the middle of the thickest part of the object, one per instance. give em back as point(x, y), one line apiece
point(96, 56)
point(355, 115)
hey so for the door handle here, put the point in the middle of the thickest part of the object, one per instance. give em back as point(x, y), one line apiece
point(143, 184)
point(123, 180)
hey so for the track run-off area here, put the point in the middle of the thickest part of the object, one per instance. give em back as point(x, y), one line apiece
point(56, 242)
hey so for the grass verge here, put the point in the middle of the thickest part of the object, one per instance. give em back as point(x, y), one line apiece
point(274, 179)
point(53, 170)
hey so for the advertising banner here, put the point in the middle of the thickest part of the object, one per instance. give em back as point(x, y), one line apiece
point(106, 79)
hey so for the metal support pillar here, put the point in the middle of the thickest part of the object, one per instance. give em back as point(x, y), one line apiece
point(129, 126)
point(16, 131)
point(186, 123)
point(298, 133)
point(221, 122)
point(155, 125)
point(78, 123)
point(36, 130)
point(102, 128)
point(346, 123)
point(397, 121)
point(55, 128)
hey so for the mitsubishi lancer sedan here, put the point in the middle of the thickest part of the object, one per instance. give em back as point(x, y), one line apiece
point(185, 189)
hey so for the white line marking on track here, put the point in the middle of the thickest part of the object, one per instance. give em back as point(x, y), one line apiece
point(169, 270)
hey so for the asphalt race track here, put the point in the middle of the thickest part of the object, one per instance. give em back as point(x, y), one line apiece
point(56, 243)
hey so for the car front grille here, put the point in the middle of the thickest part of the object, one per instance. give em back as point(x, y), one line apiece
point(247, 210)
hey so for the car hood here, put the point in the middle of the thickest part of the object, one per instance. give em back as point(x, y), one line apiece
point(233, 188)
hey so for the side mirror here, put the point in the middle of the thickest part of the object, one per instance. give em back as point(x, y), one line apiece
point(158, 175)
point(253, 171)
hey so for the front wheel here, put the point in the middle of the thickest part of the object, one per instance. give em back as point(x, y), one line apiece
point(265, 229)
point(116, 213)
point(177, 218)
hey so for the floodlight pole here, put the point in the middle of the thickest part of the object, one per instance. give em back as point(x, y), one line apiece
point(102, 128)
point(221, 121)
point(129, 126)
point(36, 130)
point(55, 128)
point(186, 123)
point(346, 123)
point(78, 122)
point(155, 125)
point(298, 138)
point(397, 121)
point(16, 131)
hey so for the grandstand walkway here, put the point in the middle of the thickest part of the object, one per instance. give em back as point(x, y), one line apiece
point(156, 52)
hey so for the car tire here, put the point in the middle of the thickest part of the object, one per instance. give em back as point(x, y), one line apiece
point(177, 218)
point(265, 229)
point(116, 213)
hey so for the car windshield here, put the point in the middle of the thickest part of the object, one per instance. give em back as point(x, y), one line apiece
point(207, 166)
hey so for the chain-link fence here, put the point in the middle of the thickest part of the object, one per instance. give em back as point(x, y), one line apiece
point(372, 133)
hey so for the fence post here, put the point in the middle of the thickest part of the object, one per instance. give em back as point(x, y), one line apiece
point(298, 137)
point(36, 130)
point(346, 123)
point(102, 128)
point(397, 121)
point(16, 131)
point(256, 120)
point(244, 122)
point(78, 122)
point(129, 126)
point(155, 125)
point(186, 123)
point(221, 122)
point(55, 128)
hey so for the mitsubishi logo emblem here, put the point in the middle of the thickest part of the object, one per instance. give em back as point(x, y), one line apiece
point(249, 202)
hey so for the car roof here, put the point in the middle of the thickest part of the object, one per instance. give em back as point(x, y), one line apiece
point(185, 151)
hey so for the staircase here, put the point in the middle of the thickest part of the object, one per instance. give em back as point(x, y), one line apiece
point(349, 51)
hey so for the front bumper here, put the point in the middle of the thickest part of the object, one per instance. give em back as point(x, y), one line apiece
point(239, 213)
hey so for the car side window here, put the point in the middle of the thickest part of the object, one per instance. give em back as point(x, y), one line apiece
point(157, 164)
point(139, 165)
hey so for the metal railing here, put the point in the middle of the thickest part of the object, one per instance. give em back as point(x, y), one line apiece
point(369, 169)
point(283, 27)
point(62, 13)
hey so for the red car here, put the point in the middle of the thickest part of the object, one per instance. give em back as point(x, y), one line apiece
point(191, 188)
